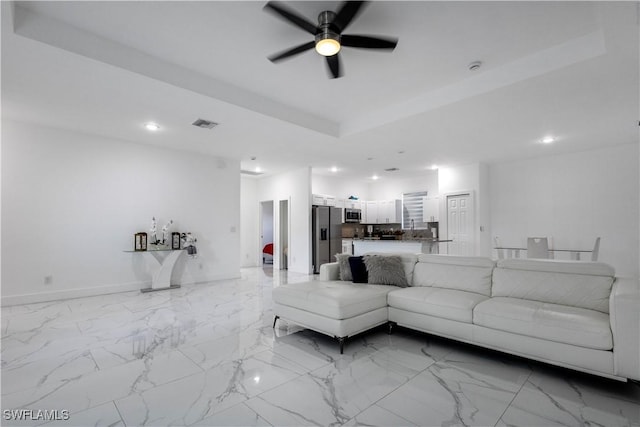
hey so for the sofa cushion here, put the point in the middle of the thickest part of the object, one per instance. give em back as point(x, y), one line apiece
point(385, 270)
point(334, 299)
point(553, 322)
point(445, 303)
point(358, 269)
point(578, 284)
point(471, 274)
point(408, 262)
point(345, 268)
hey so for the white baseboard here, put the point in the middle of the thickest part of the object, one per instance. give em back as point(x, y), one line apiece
point(62, 294)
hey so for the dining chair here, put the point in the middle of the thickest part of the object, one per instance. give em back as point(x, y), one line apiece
point(498, 248)
point(596, 249)
point(537, 247)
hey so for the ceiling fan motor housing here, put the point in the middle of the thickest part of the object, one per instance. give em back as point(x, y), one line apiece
point(325, 27)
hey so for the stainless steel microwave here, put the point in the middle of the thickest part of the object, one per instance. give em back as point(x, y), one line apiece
point(352, 215)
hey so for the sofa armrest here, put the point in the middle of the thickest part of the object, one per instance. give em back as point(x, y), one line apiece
point(624, 313)
point(330, 271)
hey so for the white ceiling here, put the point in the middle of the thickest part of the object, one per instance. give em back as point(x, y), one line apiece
point(569, 69)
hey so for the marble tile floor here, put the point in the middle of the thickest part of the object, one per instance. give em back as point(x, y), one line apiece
point(206, 355)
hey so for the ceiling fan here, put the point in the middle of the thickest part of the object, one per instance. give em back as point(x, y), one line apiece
point(328, 37)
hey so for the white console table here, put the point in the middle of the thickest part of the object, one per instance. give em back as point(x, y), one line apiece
point(167, 259)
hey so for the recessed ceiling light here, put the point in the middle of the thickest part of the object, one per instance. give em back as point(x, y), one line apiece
point(334, 169)
point(151, 126)
point(258, 169)
point(434, 167)
point(548, 140)
point(374, 177)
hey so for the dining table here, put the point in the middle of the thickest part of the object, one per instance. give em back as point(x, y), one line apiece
point(514, 251)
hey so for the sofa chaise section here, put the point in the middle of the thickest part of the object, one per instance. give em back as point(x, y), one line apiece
point(335, 308)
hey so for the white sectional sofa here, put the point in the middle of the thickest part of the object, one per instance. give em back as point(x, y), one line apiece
point(572, 314)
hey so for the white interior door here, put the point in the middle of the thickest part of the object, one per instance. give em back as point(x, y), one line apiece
point(460, 224)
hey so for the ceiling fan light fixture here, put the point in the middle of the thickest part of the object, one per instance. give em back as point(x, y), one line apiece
point(327, 43)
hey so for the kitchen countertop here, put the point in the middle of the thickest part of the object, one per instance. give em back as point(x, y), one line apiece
point(416, 240)
point(421, 245)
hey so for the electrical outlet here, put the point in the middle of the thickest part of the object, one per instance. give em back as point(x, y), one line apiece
point(48, 280)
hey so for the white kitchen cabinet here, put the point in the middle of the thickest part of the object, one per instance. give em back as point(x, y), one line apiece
point(390, 211)
point(431, 208)
point(323, 200)
point(383, 212)
point(347, 247)
point(353, 204)
point(371, 214)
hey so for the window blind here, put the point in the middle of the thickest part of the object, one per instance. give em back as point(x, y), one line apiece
point(412, 209)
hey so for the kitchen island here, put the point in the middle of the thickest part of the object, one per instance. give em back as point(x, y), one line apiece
point(415, 246)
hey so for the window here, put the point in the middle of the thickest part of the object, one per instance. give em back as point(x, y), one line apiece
point(412, 209)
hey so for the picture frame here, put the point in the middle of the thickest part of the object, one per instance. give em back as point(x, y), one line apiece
point(140, 242)
point(175, 240)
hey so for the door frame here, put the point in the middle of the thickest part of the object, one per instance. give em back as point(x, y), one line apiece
point(444, 215)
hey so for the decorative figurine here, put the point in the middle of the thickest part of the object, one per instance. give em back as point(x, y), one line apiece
point(154, 229)
point(188, 243)
point(165, 232)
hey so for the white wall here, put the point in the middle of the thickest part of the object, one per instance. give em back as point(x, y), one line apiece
point(392, 188)
point(385, 188)
point(72, 202)
point(267, 223)
point(249, 222)
point(340, 187)
point(294, 186)
point(573, 198)
point(473, 178)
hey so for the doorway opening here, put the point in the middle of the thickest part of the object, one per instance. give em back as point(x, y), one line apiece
point(283, 241)
point(266, 231)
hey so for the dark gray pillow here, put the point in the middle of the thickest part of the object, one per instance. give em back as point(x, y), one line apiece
point(358, 269)
point(345, 268)
point(385, 270)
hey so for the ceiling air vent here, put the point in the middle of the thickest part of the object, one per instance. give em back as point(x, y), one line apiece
point(392, 169)
point(205, 124)
point(252, 173)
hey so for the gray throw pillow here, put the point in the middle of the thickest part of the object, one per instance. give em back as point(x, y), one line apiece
point(385, 270)
point(345, 268)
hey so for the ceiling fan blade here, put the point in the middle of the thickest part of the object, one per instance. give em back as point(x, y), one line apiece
point(290, 52)
point(368, 42)
point(346, 14)
point(334, 66)
point(291, 17)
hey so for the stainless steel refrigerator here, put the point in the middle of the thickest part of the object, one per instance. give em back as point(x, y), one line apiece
point(326, 235)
